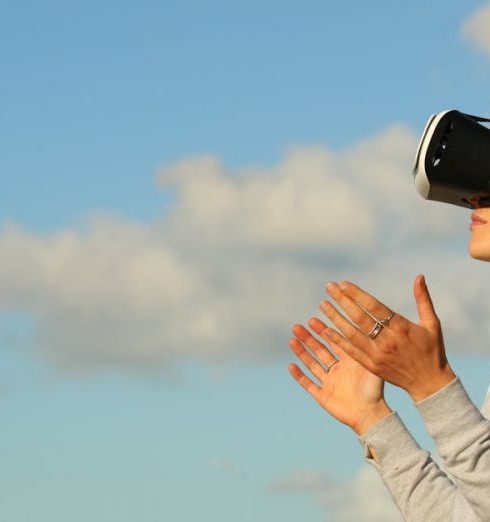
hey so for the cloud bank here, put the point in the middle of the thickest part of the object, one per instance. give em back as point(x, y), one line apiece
point(242, 255)
point(363, 498)
point(475, 28)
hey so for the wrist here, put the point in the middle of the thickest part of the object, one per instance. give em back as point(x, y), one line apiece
point(431, 385)
point(373, 415)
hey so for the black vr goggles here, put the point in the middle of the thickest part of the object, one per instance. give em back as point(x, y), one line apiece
point(452, 163)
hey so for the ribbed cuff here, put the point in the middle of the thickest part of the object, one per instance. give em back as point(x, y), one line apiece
point(390, 439)
point(448, 411)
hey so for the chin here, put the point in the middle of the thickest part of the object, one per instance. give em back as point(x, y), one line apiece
point(479, 249)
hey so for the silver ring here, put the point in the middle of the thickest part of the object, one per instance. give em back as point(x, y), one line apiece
point(330, 365)
point(376, 329)
point(386, 320)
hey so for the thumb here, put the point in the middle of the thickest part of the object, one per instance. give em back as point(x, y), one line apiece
point(425, 307)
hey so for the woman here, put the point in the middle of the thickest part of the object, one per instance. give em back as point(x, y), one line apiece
point(385, 346)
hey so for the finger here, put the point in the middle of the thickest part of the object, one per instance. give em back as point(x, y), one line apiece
point(368, 302)
point(425, 307)
point(312, 388)
point(346, 327)
point(310, 362)
point(364, 321)
point(319, 327)
point(361, 356)
point(321, 351)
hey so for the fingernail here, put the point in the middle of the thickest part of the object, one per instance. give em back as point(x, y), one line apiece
point(343, 285)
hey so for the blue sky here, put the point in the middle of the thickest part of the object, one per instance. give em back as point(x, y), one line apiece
point(151, 261)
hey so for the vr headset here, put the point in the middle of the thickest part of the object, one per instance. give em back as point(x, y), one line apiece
point(452, 163)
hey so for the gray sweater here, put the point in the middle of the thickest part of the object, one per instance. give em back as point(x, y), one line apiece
point(421, 490)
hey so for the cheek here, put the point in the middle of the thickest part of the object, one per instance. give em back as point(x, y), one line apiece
point(479, 245)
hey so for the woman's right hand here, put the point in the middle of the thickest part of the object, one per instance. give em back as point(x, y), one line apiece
point(347, 391)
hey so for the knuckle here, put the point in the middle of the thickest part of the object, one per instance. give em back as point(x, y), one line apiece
point(370, 304)
point(403, 329)
point(361, 319)
point(435, 322)
point(387, 347)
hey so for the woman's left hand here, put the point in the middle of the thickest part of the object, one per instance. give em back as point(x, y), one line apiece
point(411, 356)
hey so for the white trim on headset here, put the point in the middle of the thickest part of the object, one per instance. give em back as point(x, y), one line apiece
point(421, 180)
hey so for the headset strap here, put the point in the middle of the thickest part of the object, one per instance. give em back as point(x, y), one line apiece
point(478, 118)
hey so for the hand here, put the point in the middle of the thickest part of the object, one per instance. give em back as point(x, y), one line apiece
point(347, 391)
point(411, 356)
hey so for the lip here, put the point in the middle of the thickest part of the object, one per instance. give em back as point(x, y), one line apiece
point(477, 220)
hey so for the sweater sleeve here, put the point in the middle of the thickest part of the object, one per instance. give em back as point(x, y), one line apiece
point(462, 436)
point(420, 489)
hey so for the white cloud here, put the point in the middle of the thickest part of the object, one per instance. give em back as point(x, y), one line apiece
point(242, 256)
point(105, 295)
point(364, 497)
point(476, 28)
point(303, 480)
point(284, 207)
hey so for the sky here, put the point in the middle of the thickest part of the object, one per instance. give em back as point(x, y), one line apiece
point(178, 183)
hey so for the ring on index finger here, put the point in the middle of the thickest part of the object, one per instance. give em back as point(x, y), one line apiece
point(379, 325)
point(386, 320)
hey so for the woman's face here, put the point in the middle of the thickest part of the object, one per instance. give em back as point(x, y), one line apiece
point(479, 245)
